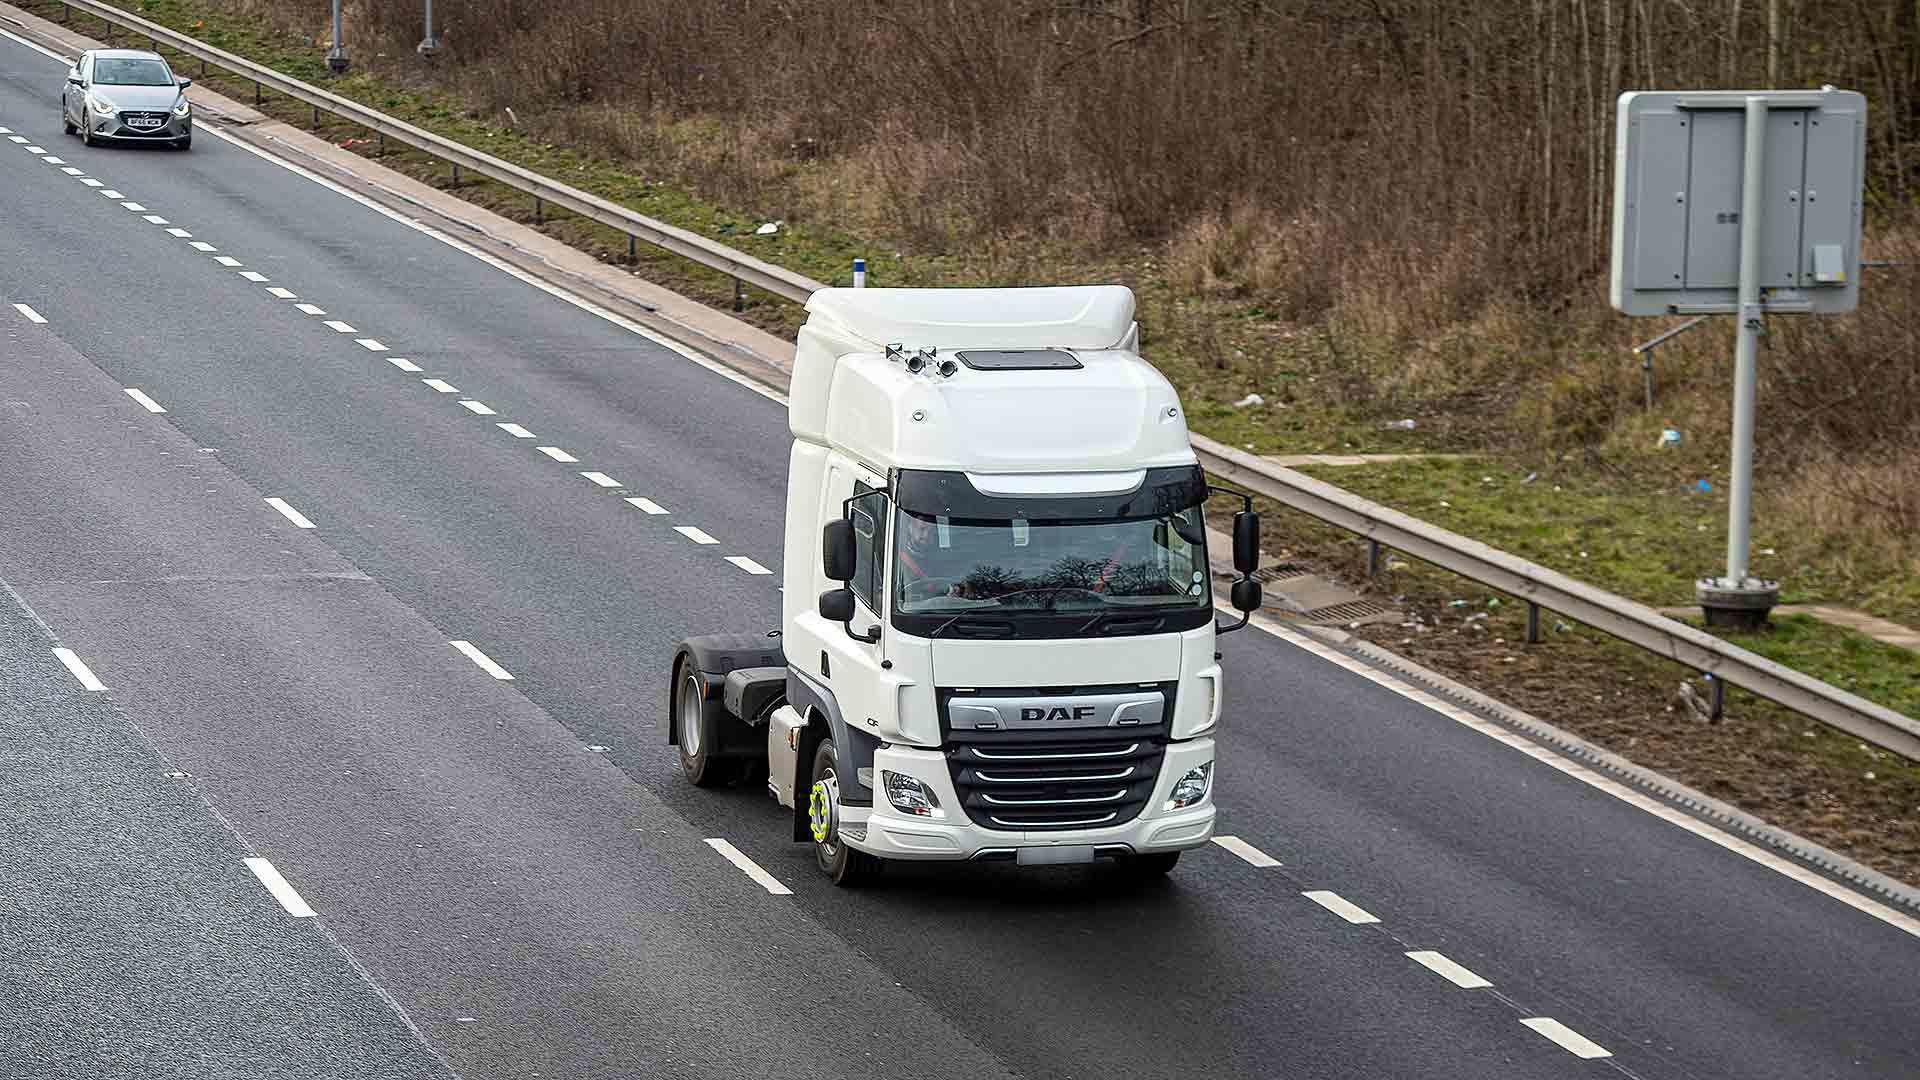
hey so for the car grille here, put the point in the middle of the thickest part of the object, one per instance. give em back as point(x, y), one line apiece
point(1057, 780)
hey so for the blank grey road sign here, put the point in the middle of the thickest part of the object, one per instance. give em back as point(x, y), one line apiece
point(1677, 197)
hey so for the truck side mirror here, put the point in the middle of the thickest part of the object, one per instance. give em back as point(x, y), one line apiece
point(837, 551)
point(1246, 595)
point(836, 605)
point(1246, 545)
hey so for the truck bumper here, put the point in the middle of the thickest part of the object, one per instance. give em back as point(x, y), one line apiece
point(886, 832)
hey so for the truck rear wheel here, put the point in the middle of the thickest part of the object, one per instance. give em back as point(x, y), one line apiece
point(696, 723)
point(844, 866)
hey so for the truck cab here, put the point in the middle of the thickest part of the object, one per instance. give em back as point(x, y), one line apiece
point(997, 636)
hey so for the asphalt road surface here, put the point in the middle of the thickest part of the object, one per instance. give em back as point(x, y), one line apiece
point(270, 807)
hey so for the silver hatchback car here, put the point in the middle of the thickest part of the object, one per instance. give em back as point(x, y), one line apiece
point(126, 94)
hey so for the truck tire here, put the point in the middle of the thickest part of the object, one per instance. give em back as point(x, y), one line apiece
point(698, 720)
point(844, 866)
point(1156, 864)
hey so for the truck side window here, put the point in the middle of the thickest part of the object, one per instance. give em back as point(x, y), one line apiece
point(868, 512)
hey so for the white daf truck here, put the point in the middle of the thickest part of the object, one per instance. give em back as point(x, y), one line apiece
point(997, 637)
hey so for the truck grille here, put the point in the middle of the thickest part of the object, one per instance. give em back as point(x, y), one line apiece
point(1060, 780)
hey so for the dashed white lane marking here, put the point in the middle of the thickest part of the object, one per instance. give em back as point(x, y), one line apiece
point(51, 160)
point(486, 663)
point(155, 219)
point(202, 245)
point(284, 294)
point(748, 867)
point(255, 276)
point(112, 194)
point(694, 534)
point(403, 363)
point(1448, 970)
point(602, 479)
point(226, 260)
point(91, 182)
point(180, 232)
point(36, 149)
point(1552, 760)
point(1340, 906)
point(88, 680)
point(71, 171)
point(339, 327)
point(1246, 851)
point(475, 407)
point(748, 565)
point(15, 138)
point(281, 891)
point(442, 385)
point(290, 513)
point(648, 506)
point(310, 309)
point(515, 430)
point(148, 403)
point(1566, 1038)
point(32, 315)
point(370, 344)
point(557, 454)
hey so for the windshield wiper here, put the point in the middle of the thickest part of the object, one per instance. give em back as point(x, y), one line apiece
point(975, 622)
point(1108, 621)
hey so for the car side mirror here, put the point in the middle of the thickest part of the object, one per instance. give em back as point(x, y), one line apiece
point(837, 550)
point(184, 83)
point(74, 79)
point(836, 605)
point(1246, 595)
point(1246, 541)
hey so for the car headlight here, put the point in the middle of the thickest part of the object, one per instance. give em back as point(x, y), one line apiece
point(910, 796)
point(99, 104)
point(183, 108)
point(1192, 787)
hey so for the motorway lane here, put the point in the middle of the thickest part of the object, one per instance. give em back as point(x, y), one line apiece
point(449, 522)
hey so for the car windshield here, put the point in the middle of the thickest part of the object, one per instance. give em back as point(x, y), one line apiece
point(956, 565)
point(121, 71)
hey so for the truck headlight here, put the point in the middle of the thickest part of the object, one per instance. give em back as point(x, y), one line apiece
point(1192, 787)
point(910, 796)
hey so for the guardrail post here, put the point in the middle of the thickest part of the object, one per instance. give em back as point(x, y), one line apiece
point(539, 211)
point(633, 249)
point(1373, 558)
point(739, 295)
point(383, 143)
point(1719, 702)
point(1533, 623)
point(316, 116)
point(106, 31)
point(203, 67)
point(256, 91)
point(456, 174)
point(66, 14)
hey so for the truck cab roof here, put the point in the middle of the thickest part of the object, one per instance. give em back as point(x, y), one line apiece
point(1040, 380)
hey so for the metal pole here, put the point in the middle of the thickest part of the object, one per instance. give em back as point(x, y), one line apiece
point(429, 44)
point(336, 56)
point(1533, 623)
point(739, 295)
point(539, 211)
point(1746, 352)
point(633, 249)
point(1373, 558)
point(859, 273)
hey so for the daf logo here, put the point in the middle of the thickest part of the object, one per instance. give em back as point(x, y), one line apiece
point(1059, 714)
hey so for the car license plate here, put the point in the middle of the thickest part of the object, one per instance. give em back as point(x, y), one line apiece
point(144, 122)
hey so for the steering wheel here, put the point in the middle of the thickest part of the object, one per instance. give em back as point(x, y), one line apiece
point(926, 588)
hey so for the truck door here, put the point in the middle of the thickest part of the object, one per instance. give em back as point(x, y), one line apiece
point(862, 689)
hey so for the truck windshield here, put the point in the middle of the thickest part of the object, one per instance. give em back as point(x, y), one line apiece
point(1004, 568)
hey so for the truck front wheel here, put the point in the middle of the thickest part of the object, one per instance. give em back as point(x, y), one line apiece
point(844, 866)
point(696, 724)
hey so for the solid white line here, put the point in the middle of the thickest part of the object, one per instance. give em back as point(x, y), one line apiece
point(71, 171)
point(226, 260)
point(290, 513)
point(310, 309)
point(557, 454)
point(476, 408)
point(1335, 903)
point(1448, 970)
point(202, 245)
point(151, 405)
point(154, 218)
point(649, 506)
point(515, 430)
point(179, 232)
point(1552, 760)
point(370, 344)
point(694, 534)
point(602, 479)
point(748, 867)
point(486, 664)
point(281, 891)
point(442, 385)
point(339, 327)
point(32, 315)
point(80, 670)
point(284, 294)
point(112, 194)
point(747, 564)
point(254, 276)
point(1246, 851)
point(403, 363)
point(1568, 1039)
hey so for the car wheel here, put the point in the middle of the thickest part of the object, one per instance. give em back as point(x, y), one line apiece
point(86, 127)
point(65, 123)
point(844, 866)
point(183, 144)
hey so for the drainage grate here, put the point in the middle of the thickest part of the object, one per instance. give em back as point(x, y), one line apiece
point(1342, 614)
